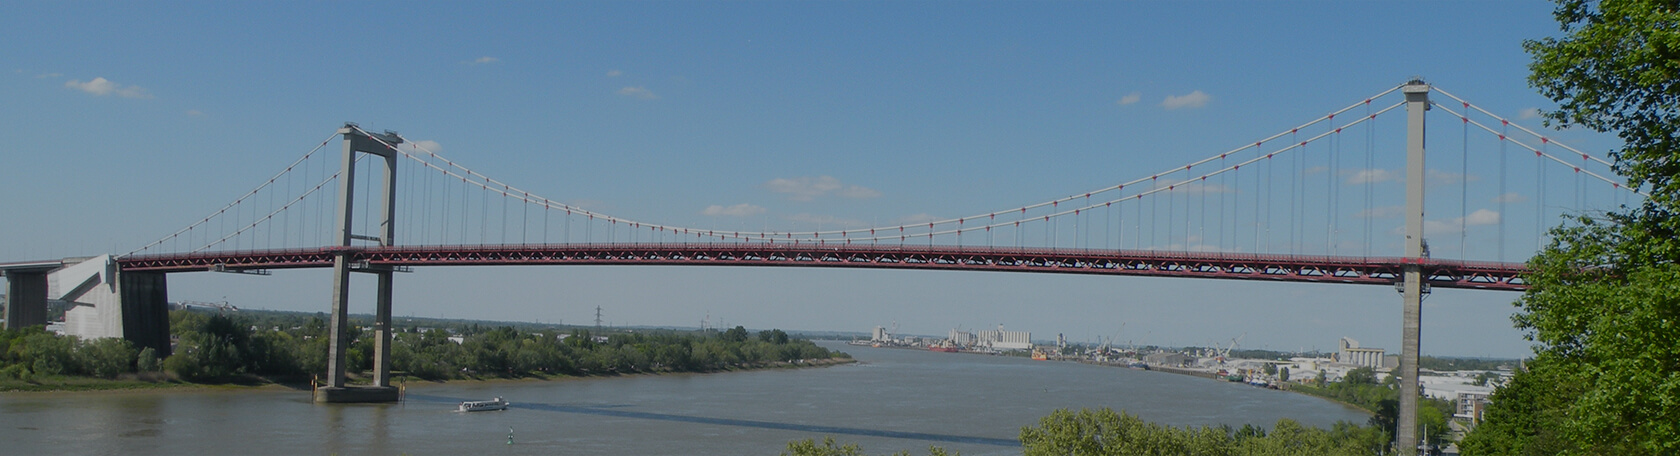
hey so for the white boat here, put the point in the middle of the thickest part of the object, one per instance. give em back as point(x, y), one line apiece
point(481, 406)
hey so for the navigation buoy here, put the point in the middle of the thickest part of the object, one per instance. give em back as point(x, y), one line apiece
point(510, 435)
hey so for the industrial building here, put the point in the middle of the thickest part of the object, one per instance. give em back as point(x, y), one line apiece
point(998, 339)
point(1363, 357)
point(1004, 340)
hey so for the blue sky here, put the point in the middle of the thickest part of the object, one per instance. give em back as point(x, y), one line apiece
point(122, 122)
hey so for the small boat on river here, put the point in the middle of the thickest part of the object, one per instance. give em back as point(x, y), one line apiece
point(483, 406)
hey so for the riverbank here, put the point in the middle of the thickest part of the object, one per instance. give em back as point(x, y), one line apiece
point(156, 382)
point(1286, 387)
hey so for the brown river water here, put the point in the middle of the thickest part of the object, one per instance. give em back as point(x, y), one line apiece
point(891, 400)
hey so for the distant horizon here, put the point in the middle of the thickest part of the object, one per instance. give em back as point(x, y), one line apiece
point(1045, 342)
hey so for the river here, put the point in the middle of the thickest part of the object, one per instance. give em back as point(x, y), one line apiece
point(891, 400)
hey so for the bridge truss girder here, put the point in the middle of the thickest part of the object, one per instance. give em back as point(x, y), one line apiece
point(1209, 265)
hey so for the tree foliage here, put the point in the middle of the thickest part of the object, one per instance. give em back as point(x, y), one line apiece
point(216, 347)
point(1106, 432)
point(507, 352)
point(1360, 388)
point(1606, 375)
point(1604, 302)
point(829, 447)
point(28, 353)
point(1617, 69)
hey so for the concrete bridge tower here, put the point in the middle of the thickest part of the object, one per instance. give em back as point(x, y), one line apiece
point(358, 141)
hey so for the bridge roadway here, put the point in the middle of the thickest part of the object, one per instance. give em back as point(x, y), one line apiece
point(1151, 263)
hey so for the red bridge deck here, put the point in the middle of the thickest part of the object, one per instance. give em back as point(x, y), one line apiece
point(1292, 268)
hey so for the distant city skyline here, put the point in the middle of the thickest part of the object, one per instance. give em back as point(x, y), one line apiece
point(126, 121)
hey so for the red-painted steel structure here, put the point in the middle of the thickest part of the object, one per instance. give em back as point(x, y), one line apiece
point(1213, 265)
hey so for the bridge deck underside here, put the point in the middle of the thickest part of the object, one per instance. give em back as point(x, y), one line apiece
point(1290, 268)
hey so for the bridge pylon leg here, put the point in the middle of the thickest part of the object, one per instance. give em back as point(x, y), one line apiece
point(27, 292)
point(1406, 436)
point(382, 326)
point(358, 141)
point(338, 325)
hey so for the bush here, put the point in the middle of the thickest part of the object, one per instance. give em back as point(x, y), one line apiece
point(105, 358)
point(16, 371)
point(147, 360)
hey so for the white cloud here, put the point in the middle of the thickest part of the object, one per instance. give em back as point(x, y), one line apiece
point(1512, 197)
point(194, 112)
point(1482, 217)
point(809, 188)
point(803, 188)
point(1529, 113)
point(1194, 99)
point(1130, 98)
point(638, 92)
point(738, 210)
point(102, 87)
point(614, 73)
point(1455, 225)
point(1372, 176)
point(484, 60)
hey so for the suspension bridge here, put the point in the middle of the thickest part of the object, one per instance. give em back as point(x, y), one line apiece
point(1306, 204)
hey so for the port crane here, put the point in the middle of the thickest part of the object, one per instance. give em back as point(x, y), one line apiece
point(1227, 351)
point(1102, 350)
point(1140, 342)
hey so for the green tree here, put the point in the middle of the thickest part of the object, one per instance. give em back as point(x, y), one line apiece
point(1106, 432)
point(1617, 69)
point(147, 360)
point(828, 447)
point(774, 336)
point(1605, 293)
point(1360, 376)
point(736, 334)
point(1526, 417)
point(1283, 374)
point(107, 357)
